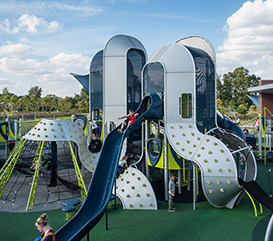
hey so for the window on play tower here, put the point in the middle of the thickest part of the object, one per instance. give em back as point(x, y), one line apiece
point(205, 90)
point(135, 63)
point(153, 78)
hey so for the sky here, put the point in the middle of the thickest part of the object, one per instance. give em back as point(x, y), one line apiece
point(42, 42)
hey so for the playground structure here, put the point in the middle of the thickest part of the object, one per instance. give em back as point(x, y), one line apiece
point(40, 146)
point(182, 128)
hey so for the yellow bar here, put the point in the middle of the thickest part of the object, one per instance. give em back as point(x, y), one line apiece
point(253, 203)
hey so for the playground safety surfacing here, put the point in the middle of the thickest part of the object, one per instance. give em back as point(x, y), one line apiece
point(206, 223)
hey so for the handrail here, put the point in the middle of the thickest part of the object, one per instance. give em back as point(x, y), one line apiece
point(244, 123)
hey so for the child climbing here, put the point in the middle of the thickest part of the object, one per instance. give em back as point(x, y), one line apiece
point(122, 165)
point(132, 117)
point(42, 169)
point(95, 127)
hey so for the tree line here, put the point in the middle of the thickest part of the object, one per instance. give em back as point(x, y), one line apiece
point(231, 92)
point(33, 102)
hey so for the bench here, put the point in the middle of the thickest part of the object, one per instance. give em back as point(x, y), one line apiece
point(69, 206)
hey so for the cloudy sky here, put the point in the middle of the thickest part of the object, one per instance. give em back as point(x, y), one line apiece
point(42, 42)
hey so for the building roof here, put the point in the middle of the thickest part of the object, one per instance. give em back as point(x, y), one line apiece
point(267, 88)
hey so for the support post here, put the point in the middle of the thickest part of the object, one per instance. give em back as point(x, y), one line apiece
point(194, 184)
point(166, 171)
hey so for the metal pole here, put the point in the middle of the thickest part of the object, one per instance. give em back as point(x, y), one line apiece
point(166, 171)
point(147, 126)
point(106, 220)
point(194, 184)
point(179, 182)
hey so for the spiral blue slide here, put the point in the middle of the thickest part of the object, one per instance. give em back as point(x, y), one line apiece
point(101, 186)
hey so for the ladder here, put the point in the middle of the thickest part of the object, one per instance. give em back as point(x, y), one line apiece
point(78, 173)
point(32, 192)
point(7, 169)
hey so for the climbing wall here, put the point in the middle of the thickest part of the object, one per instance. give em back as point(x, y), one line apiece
point(135, 191)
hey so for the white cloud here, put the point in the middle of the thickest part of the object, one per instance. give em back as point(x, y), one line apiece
point(57, 65)
point(28, 23)
point(25, 67)
point(15, 50)
point(70, 60)
point(249, 41)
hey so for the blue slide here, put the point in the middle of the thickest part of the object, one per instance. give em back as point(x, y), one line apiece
point(227, 124)
point(101, 185)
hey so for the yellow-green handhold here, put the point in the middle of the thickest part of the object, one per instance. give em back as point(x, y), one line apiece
point(144, 185)
point(138, 178)
point(127, 195)
point(222, 190)
point(149, 204)
point(133, 174)
point(209, 182)
point(220, 170)
point(147, 194)
point(132, 187)
point(127, 182)
point(219, 182)
point(210, 191)
point(140, 205)
point(215, 160)
point(122, 190)
point(138, 195)
point(228, 170)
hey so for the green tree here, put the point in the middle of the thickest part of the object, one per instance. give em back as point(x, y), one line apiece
point(5, 91)
point(13, 101)
point(242, 109)
point(232, 90)
point(35, 91)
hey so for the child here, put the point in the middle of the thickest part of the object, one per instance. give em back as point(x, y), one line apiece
point(95, 127)
point(42, 169)
point(121, 164)
point(171, 192)
point(132, 117)
point(43, 226)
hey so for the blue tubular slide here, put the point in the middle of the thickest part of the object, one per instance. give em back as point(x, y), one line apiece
point(229, 125)
point(101, 186)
